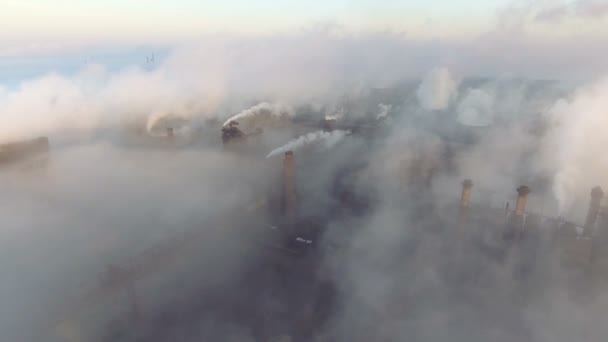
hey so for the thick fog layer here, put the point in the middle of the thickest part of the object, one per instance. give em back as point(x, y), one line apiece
point(382, 142)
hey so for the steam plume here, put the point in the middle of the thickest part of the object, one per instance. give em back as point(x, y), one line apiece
point(261, 114)
point(329, 139)
point(476, 108)
point(577, 142)
point(437, 89)
point(337, 115)
point(160, 121)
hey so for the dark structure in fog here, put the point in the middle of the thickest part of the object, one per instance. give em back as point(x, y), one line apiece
point(286, 292)
point(23, 151)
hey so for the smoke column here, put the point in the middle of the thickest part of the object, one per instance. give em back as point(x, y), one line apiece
point(329, 139)
point(437, 89)
point(576, 144)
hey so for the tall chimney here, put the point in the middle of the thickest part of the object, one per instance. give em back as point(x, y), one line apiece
point(170, 133)
point(520, 210)
point(289, 195)
point(515, 223)
point(465, 203)
point(594, 207)
point(522, 200)
point(465, 199)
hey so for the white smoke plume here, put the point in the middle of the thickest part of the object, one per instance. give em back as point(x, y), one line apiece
point(336, 115)
point(209, 78)
point(96, 98)
point(476, 108)
point(158, 123)
point(384, 110)
point(437, 89)
point(506, 100)
point(576, 143)
point(329, 139)
point(261, 115)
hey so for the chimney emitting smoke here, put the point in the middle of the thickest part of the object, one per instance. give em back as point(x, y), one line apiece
point(594, 207)
point(465, 203)
point(515, 223)
point(289, 195)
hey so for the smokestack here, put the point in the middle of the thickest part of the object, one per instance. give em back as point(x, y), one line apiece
point(522, 200)
point(170, 132)
point(465, 203)
point(465, 199)
point(515, 223)
point(289, 195)
point(594, 207)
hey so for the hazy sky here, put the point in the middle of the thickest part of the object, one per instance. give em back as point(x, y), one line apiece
point(120, 19)
point(116, 32)
point(75, 17)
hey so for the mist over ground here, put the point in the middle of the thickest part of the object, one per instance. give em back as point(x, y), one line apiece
point(412, 119)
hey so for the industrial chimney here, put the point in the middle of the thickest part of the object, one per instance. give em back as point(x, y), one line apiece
point(465, 199)
point(289, 194)
point(522, 200)
point(594, 207)
point(465, 203)
point(516, 222)
point(170, 133)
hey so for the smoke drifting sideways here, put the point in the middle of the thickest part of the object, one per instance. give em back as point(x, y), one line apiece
point(261, 115)
point(212, 79)
point(221, 75)
point(100, 202)
point(159, 122)
point(328, 140)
